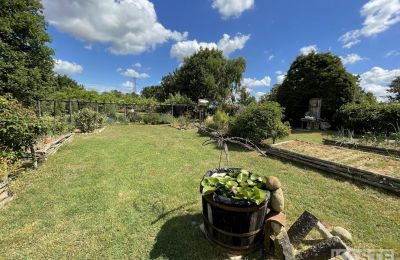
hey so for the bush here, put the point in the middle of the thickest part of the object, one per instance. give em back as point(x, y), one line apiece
point(182, 122)
point(19, 127)
point(258, 122)
point(151, 119)
point(88, 120)
point(121, 119)
point(133, 117)
point(218, 122)
point(379, 118)
point(56, 126)
point(166, 119)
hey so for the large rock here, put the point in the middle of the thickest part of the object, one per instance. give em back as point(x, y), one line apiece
point(343, 234)
point(273, 183)
point(277, 200)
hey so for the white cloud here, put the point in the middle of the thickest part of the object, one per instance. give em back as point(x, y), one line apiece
point(133, 74)
point(308, 49)
point(377, 79)
point(280, 78)
point(226, 44)
point(128, 84)
point(271, 57)
point(253, 83)
point(129, 26)
point(379, 16)
point(259, 94)
point(137, 65)
point(66, 67)
point(392, 54)
point(351, 58)
point(88, 46)
point(232, 8)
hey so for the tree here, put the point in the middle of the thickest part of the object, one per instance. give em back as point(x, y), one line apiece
point(156, 92)
point(245, 98)
point(317, 75)
point(63, 82)
point(272, 95)
point(206, 74)
point(394, 88)
point(26, 64)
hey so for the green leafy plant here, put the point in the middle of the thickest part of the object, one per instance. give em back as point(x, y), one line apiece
point(56, 125)
point(240, 185)
point(134, 117)
point(151, 119)
point(258, 122)
point(88, 120)
point(19, 127)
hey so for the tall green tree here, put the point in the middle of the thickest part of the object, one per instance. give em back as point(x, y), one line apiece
point(26, 65)
point(63, 82)
point(317, 75)
point(156, 92)
point(245, 98)
point(394, 88)
point(206, 74)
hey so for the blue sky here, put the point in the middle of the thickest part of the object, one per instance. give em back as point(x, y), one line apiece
point(103, 43)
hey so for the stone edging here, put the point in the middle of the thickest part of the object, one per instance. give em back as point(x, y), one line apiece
point(388, 183)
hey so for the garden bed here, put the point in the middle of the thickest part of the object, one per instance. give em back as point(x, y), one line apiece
point(366, 148)
point(376, 170)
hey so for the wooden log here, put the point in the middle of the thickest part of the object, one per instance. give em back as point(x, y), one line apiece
point(283, 248)
point(301, 228)
point(323, 250)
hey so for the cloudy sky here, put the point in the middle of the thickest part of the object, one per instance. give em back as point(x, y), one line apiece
point(103, 44)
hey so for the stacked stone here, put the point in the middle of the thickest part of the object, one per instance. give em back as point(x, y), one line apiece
point(277, 201)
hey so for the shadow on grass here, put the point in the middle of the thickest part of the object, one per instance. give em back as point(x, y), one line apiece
point(181, 238)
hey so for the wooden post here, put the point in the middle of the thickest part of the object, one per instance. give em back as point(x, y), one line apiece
point(70, 110)
point(172, 110)
point(39, 109)
point(126, 110)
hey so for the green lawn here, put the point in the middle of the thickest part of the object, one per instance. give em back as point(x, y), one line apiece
point(133, 192)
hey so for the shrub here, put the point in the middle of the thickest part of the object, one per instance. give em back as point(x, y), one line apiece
point(19, 127)
point(151, 119)
point(218, 122)
point(121, 119)
point(88, 120)
point(379, 118)
point(182, 122)
point(56, 126)
point(133, 117)
point(166, 119)
point(258, 122)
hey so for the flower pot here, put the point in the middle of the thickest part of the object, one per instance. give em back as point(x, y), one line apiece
point(236, 225)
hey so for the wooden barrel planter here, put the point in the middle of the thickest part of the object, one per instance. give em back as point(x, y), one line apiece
point(236, 225)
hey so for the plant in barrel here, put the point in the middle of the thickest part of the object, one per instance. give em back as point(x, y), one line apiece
point(234, 202)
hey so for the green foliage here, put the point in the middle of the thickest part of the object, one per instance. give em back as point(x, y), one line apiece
point(394, 88)
point(26, 64)
point(218, 122)
point(88, 120)
point(151, 119)
point(154, 92)
point(133, 117)
point(236, 185)
point(19, 127)
point(56, 126)
point(206, 74)
point(316, 75)
point(258, 122)
point(177, 98)
point(245, 98)
point(376, 118)
point(121, 119)
point(182, 122)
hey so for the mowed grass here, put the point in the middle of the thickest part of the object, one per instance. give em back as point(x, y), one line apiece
point(133, 192)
